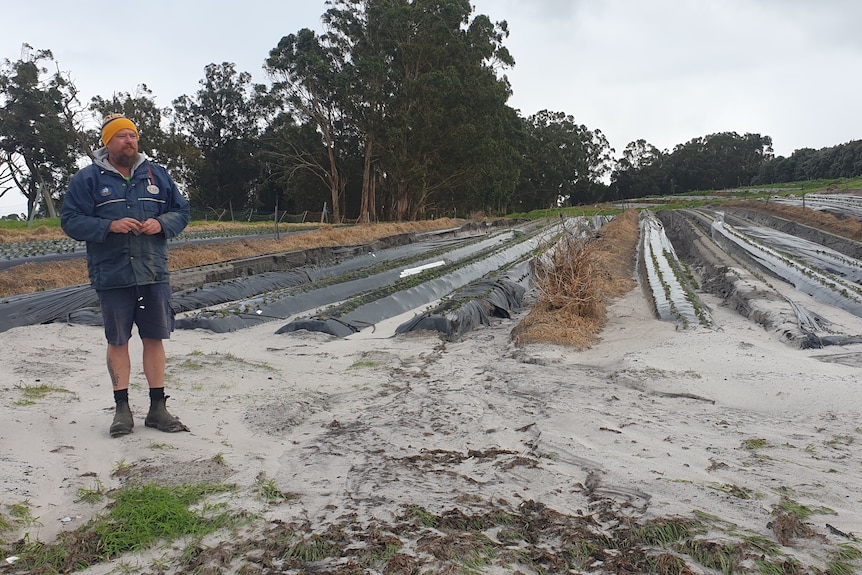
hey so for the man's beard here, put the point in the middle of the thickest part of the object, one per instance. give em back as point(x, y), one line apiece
point(125, 159)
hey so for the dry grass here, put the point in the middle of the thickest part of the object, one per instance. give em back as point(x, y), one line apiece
point(578, 281)
point(32, 277)
point(40, 233)
point(845, 227)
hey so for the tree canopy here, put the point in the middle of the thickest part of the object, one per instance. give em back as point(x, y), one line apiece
point(711, 162)
point(38, 131)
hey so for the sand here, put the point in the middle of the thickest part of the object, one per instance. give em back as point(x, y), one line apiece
point(653, 420)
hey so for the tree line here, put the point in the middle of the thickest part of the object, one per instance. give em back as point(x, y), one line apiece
point(396, 111)
point(726, 160)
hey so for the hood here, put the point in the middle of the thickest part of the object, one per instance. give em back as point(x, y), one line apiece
point(100, 158)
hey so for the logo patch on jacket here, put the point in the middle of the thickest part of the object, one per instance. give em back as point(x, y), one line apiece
point(105, 192)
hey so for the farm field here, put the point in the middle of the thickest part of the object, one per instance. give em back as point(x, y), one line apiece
point(712, 426)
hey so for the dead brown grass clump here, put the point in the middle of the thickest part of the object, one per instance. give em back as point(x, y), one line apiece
point(577, 282)
point(32, 277)
point(40, 233)
point(845, 227)
point(788, 527)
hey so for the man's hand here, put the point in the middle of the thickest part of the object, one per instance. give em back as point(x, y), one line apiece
point(151, 227)
point(125, 225)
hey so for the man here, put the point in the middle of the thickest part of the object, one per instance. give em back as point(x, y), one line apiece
point(126, 209)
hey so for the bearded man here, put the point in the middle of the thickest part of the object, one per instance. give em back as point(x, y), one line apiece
point(126, 209)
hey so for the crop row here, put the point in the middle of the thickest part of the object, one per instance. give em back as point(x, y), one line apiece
point(37, 248)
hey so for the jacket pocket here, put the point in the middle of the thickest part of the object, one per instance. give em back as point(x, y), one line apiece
point(152, 207)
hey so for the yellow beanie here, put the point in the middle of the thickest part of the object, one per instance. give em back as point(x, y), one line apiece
point(113, 123)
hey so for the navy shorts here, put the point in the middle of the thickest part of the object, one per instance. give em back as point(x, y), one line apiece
point(147, 306)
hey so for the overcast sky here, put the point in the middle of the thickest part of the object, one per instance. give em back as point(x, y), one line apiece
point(665, 71)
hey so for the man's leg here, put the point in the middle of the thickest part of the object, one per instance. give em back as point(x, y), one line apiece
point(119, 366)
point(154, 362)
point(154, 369)
point(120, 371)
point(117, 313)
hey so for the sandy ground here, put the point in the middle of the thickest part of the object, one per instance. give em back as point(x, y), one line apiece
point(659, 421)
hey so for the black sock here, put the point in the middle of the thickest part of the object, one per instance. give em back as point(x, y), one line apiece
point(121, 396)
point(157, 393)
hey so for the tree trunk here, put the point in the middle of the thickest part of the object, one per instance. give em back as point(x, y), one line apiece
point(335, 185)
point(372, 196)
point(40, 189)
point(367, 202)
point(402, 201)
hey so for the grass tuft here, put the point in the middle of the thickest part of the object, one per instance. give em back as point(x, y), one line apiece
point(30, 394)
point(139, 517)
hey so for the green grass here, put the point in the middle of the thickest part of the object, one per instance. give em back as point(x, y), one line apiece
point(189, 364)
point(845, 561)
point(755, 443)
point(570, 211)
point(18, 515)
point(424, 516)
point(268, 491)
point(30, 394)
point(23, 224)
point(91, 496)
point(314, 548)
point(787, 505)
point(140, 517)
point(144, 515)
point(663, 532)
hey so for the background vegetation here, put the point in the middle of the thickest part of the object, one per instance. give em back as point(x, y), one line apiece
point(397, 111)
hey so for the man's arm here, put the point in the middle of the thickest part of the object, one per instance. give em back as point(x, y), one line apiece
point(177, 211)
point(77, 217)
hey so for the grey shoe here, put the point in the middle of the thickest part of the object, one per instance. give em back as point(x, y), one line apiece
point(123, 421)
point(159, 418)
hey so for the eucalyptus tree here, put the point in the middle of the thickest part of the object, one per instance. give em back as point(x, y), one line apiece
point(564, 161)
point(307, 73)
point(294, 158)
point(39, 141)
point(590, 186)
point(640, 172)
point(718, 161)
point(411, 88)
point(223, 122)
point(841, 161)
point(714, 161)
point(434, 113)
point(364, 82)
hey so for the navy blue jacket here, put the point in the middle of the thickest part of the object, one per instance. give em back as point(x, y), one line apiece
point(97, 195)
